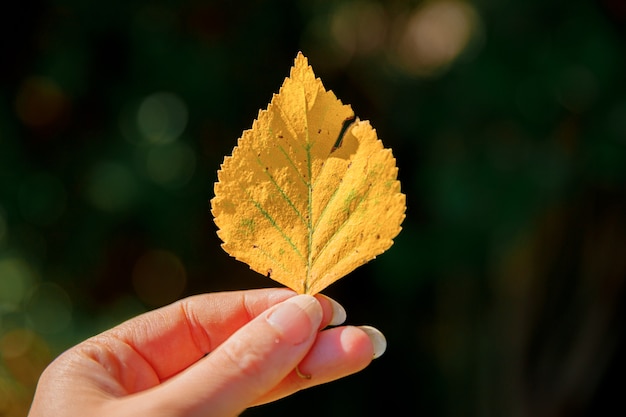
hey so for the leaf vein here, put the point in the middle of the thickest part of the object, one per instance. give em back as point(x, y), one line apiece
point(273, 223)
point(287, 156)
point(277, 227)
point(274, 260)
point(309, 145)
point(342, 225)
point(281, 191)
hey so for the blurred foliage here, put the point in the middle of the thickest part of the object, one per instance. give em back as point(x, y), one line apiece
point(504, 293)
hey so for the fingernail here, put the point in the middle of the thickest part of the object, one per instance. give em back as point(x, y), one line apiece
point(287, 318)
point(339, 313)
point(378, 340)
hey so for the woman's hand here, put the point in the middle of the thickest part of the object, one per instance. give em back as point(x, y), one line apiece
point(207, 355)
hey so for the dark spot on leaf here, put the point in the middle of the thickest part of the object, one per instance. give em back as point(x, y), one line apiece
point(344, 128)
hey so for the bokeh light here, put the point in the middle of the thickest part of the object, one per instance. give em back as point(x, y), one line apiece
point(14, 398)
point(111, 186)
point(159, 277)
point(6, 395)
point(434, 35)
point(25, 355)
point(359, 27)
point(17, 278)
point(41, 103)
point(4, 229)
point(162, 117)
point(16, 343)
point(49, 308)
point(171, 165)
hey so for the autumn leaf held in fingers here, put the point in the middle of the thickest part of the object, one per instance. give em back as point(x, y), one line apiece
point(303, 199)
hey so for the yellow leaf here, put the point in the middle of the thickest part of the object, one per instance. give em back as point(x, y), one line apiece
point(301, 203)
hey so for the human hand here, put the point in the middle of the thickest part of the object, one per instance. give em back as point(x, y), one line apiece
point(207, 355)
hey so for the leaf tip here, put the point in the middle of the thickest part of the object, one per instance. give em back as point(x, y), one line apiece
point(301, 62)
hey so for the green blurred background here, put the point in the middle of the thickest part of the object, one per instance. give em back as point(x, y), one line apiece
point(502, 296)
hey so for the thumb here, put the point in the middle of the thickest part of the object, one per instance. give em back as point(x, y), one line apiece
point(248, 364)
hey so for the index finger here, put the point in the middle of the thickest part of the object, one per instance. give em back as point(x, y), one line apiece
point(172, 338)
